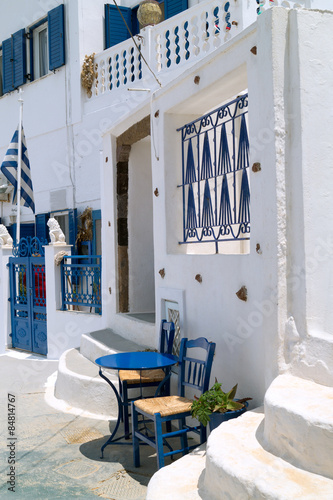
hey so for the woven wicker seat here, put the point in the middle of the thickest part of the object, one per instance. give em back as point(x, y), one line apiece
point(161, 411)
point(168, 405)
point(144, 376)
point(132, 379)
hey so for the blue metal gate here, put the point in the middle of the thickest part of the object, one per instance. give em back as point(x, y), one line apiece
point(28, 296)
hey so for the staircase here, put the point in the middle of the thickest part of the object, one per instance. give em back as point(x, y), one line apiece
point(283, 451)
point(78, 383)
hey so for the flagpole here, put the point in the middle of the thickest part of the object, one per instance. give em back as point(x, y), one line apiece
point(19, 161)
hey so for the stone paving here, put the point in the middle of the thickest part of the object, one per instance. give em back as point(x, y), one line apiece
point(56, 453)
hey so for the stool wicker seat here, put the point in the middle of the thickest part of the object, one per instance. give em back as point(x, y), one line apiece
point(143, 376)
point(166, 406)
point(193, 373)
point(134, 379)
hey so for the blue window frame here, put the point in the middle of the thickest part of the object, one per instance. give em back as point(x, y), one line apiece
point(14, 61)
point(48, 47)
point(39, 49)
point(68, 222)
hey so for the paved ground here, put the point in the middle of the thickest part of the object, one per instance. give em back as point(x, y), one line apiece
point(55, 454)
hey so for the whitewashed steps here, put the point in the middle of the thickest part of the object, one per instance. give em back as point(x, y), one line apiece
point(238, 467)
point(181, 480)
point(284, 454)
point(78, 383)
point(299, 423)
point(103, 342)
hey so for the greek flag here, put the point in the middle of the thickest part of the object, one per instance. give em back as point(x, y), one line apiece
point(9, 170)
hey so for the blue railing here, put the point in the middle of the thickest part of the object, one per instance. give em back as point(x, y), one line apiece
point(215, 183)
point(81, 283)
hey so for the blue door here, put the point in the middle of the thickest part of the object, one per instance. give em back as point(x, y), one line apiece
point(28, 302)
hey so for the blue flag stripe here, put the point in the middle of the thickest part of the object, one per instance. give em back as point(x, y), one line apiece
point(9, 169)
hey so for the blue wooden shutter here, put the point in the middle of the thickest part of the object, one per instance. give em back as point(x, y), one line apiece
point(135, 22)
point(72, 224)
point(96, 215)
point(56, 35)
point(41, 226)
point(173, 7)
point(7, 66)
point(20, 58)
point(115, 28)
point(27, 230)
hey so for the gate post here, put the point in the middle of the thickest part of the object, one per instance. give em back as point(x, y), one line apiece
point(53, 278)
point(5, 328)
point(53, 295)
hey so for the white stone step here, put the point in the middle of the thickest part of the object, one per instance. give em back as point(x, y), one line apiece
point(238, 467)
point(299, 423)
point(181, 480)
point(103, 342)
point(80, 386)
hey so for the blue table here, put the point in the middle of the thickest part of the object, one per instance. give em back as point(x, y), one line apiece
point(132, 361)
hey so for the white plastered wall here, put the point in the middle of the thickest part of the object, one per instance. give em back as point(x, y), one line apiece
point(211, 308)
point(309, 178)
point(290, 206)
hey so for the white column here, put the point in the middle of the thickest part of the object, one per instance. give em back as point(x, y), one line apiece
point(53, 278)
point(5, 326)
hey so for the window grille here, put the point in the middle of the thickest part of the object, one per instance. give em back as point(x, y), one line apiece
point(215, 180)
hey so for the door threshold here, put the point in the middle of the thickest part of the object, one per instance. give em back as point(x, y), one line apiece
point(145, 317)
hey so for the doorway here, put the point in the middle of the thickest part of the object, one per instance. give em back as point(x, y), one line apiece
point(136, 288)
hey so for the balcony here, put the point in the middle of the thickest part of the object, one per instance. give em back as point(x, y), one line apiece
point(177, 43)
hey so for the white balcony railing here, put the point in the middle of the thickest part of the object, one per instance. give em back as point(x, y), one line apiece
point(180, 40)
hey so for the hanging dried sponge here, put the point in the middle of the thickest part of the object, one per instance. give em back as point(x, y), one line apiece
point(85, 230)
point(88, 73)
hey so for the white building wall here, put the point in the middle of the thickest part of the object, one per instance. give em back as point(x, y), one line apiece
point(257, 338)
point(254, 338)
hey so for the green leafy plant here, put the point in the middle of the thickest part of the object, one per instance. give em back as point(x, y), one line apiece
point(215, 400)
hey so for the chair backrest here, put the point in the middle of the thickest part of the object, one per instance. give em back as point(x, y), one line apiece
point(195, 372)
point(167, 335)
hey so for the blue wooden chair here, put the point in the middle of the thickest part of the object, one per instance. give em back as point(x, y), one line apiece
point(193, 373)
point(133, 379)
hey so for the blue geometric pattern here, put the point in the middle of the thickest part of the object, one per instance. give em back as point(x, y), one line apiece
point(221, 209)
point(244, 203)
point(225, 218)
point(190, 169)
point(224, 156)
point(207, 209)
point(191, 215)
point(206, 164)
point(243, 148)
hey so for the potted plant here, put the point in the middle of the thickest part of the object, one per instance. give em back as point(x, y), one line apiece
point(215, 406)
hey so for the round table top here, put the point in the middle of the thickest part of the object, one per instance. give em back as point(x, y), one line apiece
point(136, 360)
